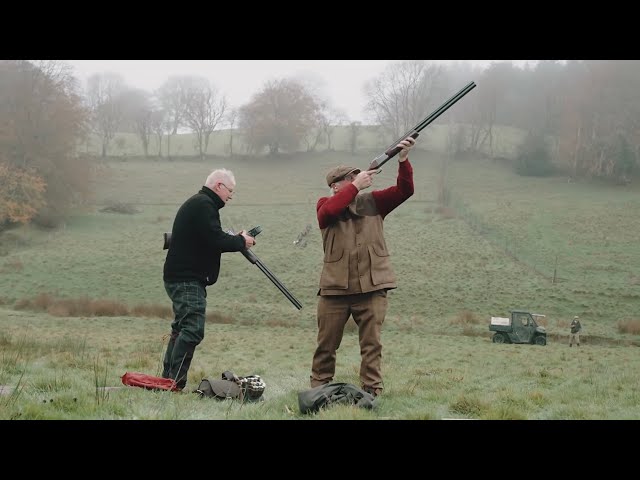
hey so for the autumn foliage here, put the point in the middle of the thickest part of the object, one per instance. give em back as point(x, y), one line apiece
point(21, 194)
point(41, 122)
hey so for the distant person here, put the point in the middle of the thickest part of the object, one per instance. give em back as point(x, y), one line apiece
point(575, 331)
point(357, 271)
point(192, 264)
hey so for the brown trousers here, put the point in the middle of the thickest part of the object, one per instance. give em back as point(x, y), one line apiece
point(368, 310)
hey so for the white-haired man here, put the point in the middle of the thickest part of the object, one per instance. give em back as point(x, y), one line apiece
point(192, 264)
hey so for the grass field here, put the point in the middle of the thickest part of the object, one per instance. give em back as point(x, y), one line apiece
point(496, 251)
point(435, 138)
point(59, 367)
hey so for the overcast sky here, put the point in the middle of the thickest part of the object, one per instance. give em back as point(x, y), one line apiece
point(239, 79)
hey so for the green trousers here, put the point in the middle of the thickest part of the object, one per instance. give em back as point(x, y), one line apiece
point(187, 329)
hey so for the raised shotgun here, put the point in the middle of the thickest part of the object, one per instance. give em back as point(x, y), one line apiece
point(393, 149)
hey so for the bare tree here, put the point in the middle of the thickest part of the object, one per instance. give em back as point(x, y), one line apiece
point(332, 118)
point(231, 117)
point(158, 122)
point(403, 94)
point(327, 119)
point(137, 115)
point(613, 119)
point(315, 86)
point(355, 129)
point(172, 96)
point(575, 116)
point(315, 134)
point(103, 94)
point(204, 110)
point(482, 106)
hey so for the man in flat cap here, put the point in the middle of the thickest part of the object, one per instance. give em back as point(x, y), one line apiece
point(357, 270)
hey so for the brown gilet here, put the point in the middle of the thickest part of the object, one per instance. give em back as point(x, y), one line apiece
point(356, 258)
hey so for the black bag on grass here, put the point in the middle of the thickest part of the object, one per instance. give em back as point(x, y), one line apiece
point(310, 401)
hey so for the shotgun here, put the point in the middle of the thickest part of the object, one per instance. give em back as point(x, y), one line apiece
point(393, 149)
point(256, 261)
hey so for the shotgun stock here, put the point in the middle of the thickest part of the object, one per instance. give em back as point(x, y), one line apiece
point(393, 149)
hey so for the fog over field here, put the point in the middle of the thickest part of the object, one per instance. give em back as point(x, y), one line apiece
point(341, 81)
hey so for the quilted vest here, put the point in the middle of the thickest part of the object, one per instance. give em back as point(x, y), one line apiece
point(356, 258)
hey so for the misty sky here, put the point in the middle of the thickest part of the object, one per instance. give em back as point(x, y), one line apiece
point(340, 80)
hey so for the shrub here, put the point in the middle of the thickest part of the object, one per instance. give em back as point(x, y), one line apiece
point(629, 326)
point(118, 207)
point(533, 157)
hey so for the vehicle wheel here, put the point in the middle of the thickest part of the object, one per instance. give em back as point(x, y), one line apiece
point(540, 340)
point(498, 338)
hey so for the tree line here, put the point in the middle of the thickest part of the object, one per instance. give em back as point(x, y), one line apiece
point(580, 117)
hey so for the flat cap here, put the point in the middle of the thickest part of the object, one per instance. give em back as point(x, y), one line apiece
point(338, 173)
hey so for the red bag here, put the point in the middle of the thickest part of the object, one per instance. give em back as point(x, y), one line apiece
point(135, 379)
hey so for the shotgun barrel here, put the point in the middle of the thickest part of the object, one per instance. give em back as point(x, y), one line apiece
point(393, 149)
point(256, 261)
point(249, 255)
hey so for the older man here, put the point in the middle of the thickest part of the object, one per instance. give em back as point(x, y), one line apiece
point(192, 264)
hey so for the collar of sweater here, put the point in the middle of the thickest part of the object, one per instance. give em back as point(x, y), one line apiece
point(213, 196)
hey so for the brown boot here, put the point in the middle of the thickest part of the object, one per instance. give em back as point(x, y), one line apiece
point(373, 391)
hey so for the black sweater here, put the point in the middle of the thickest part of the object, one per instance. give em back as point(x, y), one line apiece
point(197, 240)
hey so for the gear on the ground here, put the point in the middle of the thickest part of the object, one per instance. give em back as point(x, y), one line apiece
point(231, 386)
point(252, 388)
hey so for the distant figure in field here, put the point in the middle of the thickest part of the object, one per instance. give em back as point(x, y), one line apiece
point(575, 331)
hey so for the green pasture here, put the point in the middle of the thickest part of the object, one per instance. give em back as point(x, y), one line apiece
point(550, 246)
point(221, 142)
point(445, 264)
point(70, 368)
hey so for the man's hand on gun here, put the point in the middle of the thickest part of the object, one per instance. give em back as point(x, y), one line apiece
point(365, 179)
point(249, 241)
point(406, 145)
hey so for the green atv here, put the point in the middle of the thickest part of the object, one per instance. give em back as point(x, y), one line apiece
point(520, 328)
